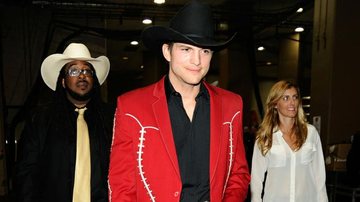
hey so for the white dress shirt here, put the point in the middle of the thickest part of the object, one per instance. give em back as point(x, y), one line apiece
point(291, 176)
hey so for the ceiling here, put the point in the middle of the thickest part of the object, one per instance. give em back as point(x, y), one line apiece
point(268, 21)
point(261, 22)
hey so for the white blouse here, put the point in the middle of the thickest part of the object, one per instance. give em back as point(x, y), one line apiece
point(291, 176)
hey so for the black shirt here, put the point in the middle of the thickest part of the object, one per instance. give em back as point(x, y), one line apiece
point(192, 141)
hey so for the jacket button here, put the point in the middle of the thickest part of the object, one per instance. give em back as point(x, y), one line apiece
point(176, 194)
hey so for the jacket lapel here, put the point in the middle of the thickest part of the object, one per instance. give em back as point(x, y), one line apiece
point(163, 120)
point(215, 129)
point(161, 113)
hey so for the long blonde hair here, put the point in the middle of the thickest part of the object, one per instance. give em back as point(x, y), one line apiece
point(271, 118)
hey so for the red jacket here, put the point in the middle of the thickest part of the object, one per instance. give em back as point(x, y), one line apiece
point(143, 160)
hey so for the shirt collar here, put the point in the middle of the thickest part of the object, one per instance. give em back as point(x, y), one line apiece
point(169, 90)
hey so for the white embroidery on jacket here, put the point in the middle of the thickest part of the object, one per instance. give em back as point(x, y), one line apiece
point(140, 152)
point(231, 153)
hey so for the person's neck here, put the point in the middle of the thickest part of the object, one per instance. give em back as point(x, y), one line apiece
point(187, 91)
point(287, 125)
point(79, 103)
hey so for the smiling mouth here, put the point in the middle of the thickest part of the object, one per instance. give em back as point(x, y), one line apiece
point(194, 70)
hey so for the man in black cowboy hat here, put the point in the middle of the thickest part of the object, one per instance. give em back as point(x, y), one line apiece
point(180, 139)
point(61, 158)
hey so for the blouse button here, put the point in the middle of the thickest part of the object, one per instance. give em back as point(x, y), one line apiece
point(176, 194)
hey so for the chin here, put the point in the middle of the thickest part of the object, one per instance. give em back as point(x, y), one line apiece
point(194, 81)
point(292, 115)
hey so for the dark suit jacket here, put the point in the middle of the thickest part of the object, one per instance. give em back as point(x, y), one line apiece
point(47, 150)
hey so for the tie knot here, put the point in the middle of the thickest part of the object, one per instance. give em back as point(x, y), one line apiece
point(81, 110)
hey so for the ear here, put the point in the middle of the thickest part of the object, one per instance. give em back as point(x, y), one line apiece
point(166, 52)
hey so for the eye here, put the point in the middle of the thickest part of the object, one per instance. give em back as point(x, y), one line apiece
point(285, 98)
point(74, 72)
point(207, 51)
point(185, 49)
point(87, 72)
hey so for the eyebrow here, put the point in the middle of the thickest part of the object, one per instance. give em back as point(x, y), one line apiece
point(181, 45)
point(76, 65)
point(287, 95)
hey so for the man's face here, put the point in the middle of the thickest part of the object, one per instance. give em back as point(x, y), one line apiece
point(78, 80)
point(188, 64)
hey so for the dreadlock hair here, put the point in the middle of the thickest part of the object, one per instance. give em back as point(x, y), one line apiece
point(271, 120)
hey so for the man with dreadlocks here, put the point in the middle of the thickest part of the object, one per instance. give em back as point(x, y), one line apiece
point(58, 149)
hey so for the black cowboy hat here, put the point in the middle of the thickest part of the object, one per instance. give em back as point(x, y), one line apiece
point(192, 24)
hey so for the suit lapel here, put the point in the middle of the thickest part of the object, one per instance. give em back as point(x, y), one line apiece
point(161, 113)
point(163, 120)
point(215, 129)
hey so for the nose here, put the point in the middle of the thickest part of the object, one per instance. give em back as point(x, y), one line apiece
point(82, 75)
point(292, 101)
point(196, 58)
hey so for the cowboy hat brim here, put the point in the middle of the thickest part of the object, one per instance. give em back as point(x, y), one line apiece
point(155, 36)
point(51, 66)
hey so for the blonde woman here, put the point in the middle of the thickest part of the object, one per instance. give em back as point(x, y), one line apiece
point(289, 150)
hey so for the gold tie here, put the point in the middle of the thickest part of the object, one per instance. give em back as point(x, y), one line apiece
point(81, 192)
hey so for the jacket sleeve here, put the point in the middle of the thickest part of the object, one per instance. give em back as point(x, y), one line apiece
point(239, 178)
point(26, 172)
point(122, 185)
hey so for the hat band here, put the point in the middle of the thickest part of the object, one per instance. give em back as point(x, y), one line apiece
point(197, 36)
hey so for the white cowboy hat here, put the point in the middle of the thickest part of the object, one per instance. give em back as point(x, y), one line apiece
point(51, 66)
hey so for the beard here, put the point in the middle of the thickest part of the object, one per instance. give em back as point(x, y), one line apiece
point(78, 96)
